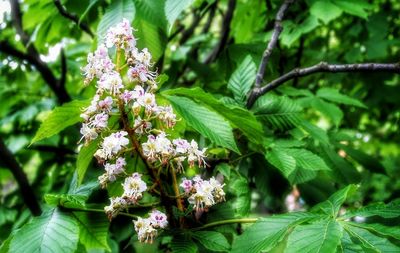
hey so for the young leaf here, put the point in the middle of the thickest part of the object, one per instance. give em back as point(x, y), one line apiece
point(116, 11)
point(330, 110)
point(65, 200)
point(319, 237)
point(53, 231)
point(61, 117)
point(335, 96)
point(212, 240)
point(206, 122)
point(93, 230)
point(242, 79)
point(173, 8)
point(268, 232)
point(85, 156)
point(325, 11)
point(239, 117)
point(355, 7)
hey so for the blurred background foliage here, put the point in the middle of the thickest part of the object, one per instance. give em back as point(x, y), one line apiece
point(199, 45)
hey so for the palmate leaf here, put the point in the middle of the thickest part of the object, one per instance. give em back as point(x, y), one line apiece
point(60, 118)
point(379, 229)
point(242, 79)
point(53, 231)
point(183, 244)
point(239, 117)
point(332, 205)
point(391, 210)
point(93, 230)
point(320, 237)
point(212, 240)
point(115, 12)
point(278, 112)
point(173, 8)
point(208, 123)
point(282, 161)
point(66, 200)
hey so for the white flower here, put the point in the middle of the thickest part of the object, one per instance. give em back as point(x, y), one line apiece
point(99, 121)
point(187, 185)
point(158, 219)
point(181, 146)
point(134, 186)
point(143, 57)
point(148, 100)
point(150, 148)
point(116, 204)
point(106, 104)
point(88, 133)
point(98, 64)
point(205, 192)
point(146, 232)
point(110, 82)
point(121, 35)
point(163, 145)
point(167, 115)
point(114, 143)
point(141, 126)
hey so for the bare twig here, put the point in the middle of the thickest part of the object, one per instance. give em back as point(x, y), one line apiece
point(28, 194)
point(226, 23)
point(73, 17)
point(322, 67)
point(272, 43)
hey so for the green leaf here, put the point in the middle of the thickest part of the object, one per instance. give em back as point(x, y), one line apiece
point(278, 112)
point(391, 210)
point(208, 123)
point(53, 231)
point(88, 8)
point(330, 110)
point(332, 205)
point(93, 230)
point(212, 240)
point(224, 169)
point(243, 79)
point(85, 156)
point(370, 241)
point(239, 117)
point(116, 11)
point(281, 160)
point(321, 236)
point(183, 244)
point(379, 229)
point(150, 25)
point(60, 118)
point(65, 200)
point(325, 11)
point(335, 96)
point(173, 8)
point(307, 160)
point(242, 203)
point(347, 246)
point(354, 7)
point(314, 131)
point(268, 232)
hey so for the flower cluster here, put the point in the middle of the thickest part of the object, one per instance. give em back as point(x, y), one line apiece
point(147, 228)
point(125, 115)
point(203, 193)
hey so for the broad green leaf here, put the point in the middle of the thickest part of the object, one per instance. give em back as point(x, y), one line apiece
point(314, 131)
point(173, 8)
point(342, 170)
point(335, 96)
point(330, 110)
point(60, 118)
point(325, 10)
point(208, 123)
point(183, 244)
point(224, 169)
point(243, 79)
point(293, 31)
point(53, 231)
point(354, 7)
point(239, 117)
point(85, 156)
point(278, 112)
point(281, 160)
point(268, 232)
point(242, 202)
point(306, 159)
point(391, 210)
point(116, 11)
point(347, 245)
point(300, 176)
point(212, 240)
point(332, 205)
point(65, 200)
point(150, 25)
point(370, 241)
point(93, 230)
point(88, 8)
point(319, 237)
point(377, 228)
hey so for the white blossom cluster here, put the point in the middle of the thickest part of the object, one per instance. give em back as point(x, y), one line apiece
point(147, 228)
point(125, 87)
point(203, 193)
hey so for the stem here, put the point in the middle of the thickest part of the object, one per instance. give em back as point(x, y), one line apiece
point(176, 190)
point(224, 222)
point(100, 211)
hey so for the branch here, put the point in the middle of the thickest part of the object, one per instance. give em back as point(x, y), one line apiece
point(26, 190)
point(272, 43)
point(224, 222)
point(63, 76)
point(224, 32)
point(322, 67)
point(73, 17)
